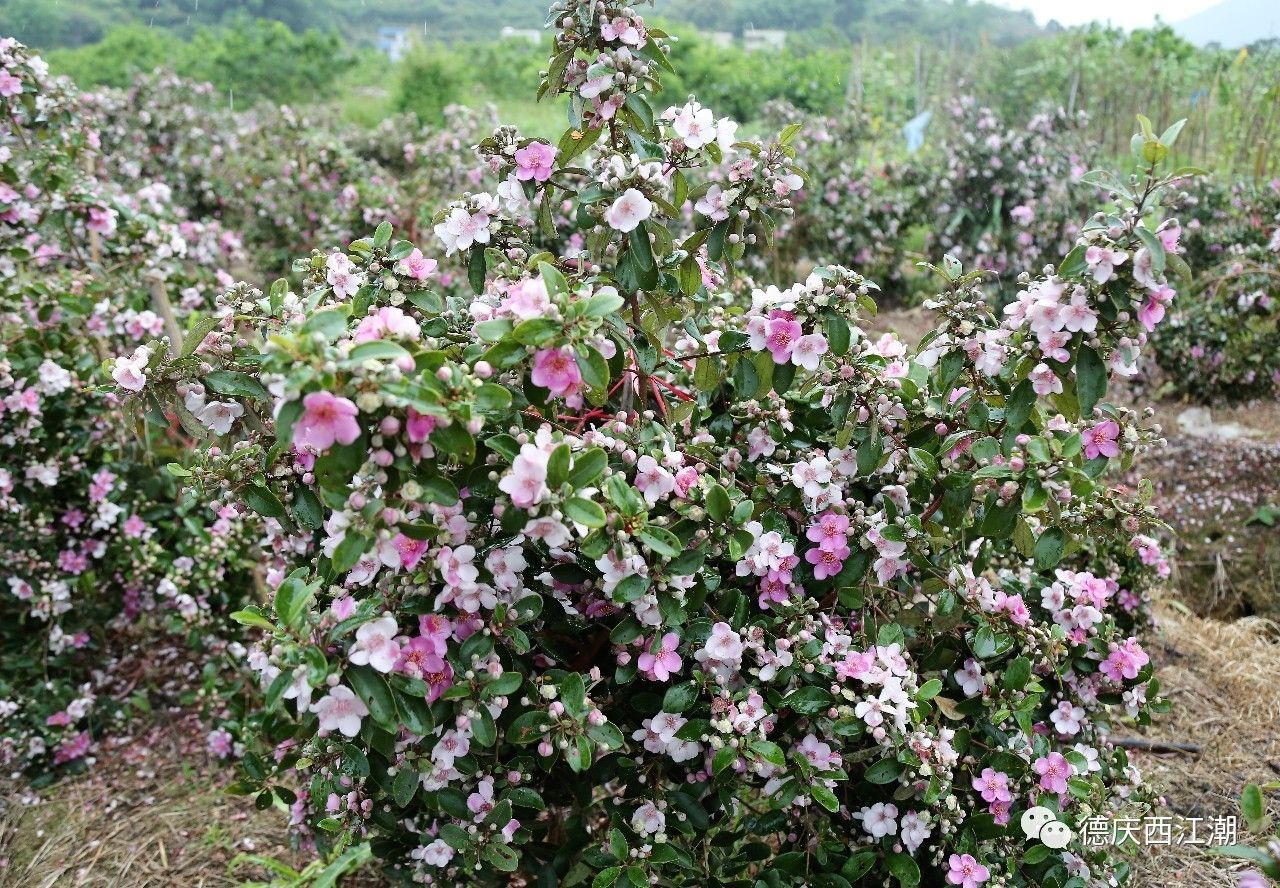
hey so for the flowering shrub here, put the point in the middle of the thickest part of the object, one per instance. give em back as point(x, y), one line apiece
point(1224, 342)
point(1008, 194)
point(95, 543)
point(854, 211)
point(599, 574)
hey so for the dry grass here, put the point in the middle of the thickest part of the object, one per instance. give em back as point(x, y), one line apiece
point(1221, 678)
point(150, 813)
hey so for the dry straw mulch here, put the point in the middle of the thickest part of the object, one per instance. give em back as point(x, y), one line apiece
point(149, 813)
point(1224, 681)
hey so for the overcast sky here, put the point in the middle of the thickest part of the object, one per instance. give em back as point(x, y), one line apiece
point(1125, 13)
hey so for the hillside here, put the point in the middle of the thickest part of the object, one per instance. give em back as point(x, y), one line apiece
point(78, 22)
point(1233, 23)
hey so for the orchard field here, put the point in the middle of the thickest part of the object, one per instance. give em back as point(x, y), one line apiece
point(617, 457)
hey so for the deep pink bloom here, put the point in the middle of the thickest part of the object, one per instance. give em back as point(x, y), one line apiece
point(781, 338)
point(826, 562)
point(326, 418)
point(419, 426)
point(1054, 770)
point(831, 532)
point(534, 161)
point(555, 370)
point(1100, 440)
point(411, 550)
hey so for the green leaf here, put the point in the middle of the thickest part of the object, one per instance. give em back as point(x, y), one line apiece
point(477, 269)
point(405, 786)
point(330, 323)
point(377, 350)
point(1091, 380)
point(262, 501)
point(240, 385)
point(718, 504)
point(584, 512)
point(904, 869)
point(1049, 548)
point(883, 771)
point(588, 466)
point(290, 601)
point(373, 690)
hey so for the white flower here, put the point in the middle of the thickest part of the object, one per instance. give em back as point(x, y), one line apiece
point(628, 211)
point(970, 678)
point(648, 820)
point(880, 820)
point(217, 416)
point(375, 644)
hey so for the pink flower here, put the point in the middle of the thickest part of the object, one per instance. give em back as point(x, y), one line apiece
point(375, 644)
point(134, 527)
point(1100, 440)
point(1054, 770)
point(130, 373)
point(58, 719)
point(781, 338)
point(417, 266)
point(1102, 262)
point(993, 785)
point(555, 370)
point(1124, 661)
point(965, 871)
point(526, 484)
point(808, 351)
point(9, 85)
point(662, 661)
point(340, 710)
point(628, 211)
point(826, 562)
point(326, 418)
point(534, 161)
point(831, 532)
point(411, 550)
point(73, 748)
point(419, 426)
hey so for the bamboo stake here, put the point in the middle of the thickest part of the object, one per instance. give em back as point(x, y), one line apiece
point(160, 300)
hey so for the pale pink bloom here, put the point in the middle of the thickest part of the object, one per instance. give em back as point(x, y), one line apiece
point(1100, 440)
point(218, 416)
point(653, 480)
point(879, 820)
point(808, 351)
point(535, 161)
point(130, 373)
point(9, 85)
point(1102, 262)
point(326, 418)
point(556, 370)
point(439, 853)
point(340, 710)
point(628, 211)
point(1044, 381)
point(375, 644)
point(993, 785)
point(648, 820)
point(417, 266)
point(480, 802)
point(342, 275)
point(1067, 719)
point(714, 204)
point(526, 482)
point(1022, 214)
point(663, 661)
point(970, 678)
point(102, 220)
